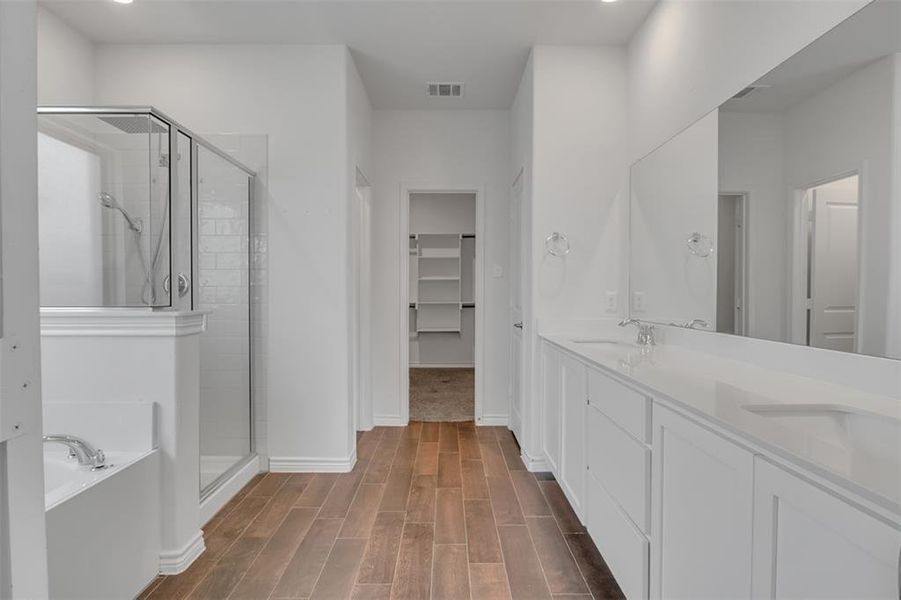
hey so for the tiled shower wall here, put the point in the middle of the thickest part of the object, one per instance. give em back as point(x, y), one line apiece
point(224, 272)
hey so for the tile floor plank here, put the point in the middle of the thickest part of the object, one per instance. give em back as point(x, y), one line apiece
point(361, 515)
point(381, 554)
point(343, 492)
point(340, 570)
point(303, 570)
point(504, 501)
point(427, 459)
point(556, 499)
point(429, 432)
point(595, 571)
point(421, 505)
point(450, 573)
point(371, 591)
point(560, 570)
point(412, 579)
point(450, 522)
point(447, 438)
point(521, 562)
point(317, 490)
point(489, 582)
point(493, 460)
point(449, 474)
point(397, 489)
point(474, 483)
point(226, 574)
point(481, 532)
point(530, 497)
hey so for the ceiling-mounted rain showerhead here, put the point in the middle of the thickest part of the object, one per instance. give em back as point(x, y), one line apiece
point(109, 201)
point(134, 123)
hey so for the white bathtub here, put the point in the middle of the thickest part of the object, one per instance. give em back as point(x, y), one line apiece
point(103, 527)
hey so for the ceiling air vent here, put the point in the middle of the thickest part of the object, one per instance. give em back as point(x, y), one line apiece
point(749, 90)
point(444, 90)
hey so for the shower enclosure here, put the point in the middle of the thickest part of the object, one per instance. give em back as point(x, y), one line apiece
point(137, 211)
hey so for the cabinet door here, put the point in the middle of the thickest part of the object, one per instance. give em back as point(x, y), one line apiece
point(551, 405)
point(808, 543)
point(573, 377)
point(701, 511)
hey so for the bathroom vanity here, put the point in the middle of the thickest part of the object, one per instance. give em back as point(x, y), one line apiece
point(702, 477)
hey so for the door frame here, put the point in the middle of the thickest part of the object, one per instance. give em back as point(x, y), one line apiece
point(800, 265)
point(743, 243)
point(439, 187)
point(361, 303)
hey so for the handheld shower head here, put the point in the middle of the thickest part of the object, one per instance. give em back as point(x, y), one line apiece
point(109, 201)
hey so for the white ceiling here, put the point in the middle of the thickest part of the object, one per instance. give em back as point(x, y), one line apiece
point(398, 45)
point(868, 35)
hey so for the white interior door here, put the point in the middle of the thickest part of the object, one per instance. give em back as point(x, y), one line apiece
point(834, 265)
point(516, 312)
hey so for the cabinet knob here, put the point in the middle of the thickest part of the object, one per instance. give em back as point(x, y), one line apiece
point(518, 325)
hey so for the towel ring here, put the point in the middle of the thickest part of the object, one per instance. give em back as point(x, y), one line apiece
point(556, 244)
point(699, 245)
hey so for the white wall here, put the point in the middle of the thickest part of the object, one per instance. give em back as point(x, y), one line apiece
point(358, 170)
point(689, 57)
point(65, 63)
point(570, 134)
point(296, 95)
point(444, 149)
point(22, 485)
point(751, 149)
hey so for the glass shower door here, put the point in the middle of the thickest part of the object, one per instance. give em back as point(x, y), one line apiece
point(222, 276)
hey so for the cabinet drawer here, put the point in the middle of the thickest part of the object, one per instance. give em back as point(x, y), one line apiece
point(624, 548)
point(624, 406)
point(622, 465)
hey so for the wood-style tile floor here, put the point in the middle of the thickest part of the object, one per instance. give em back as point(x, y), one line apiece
point(432, 510)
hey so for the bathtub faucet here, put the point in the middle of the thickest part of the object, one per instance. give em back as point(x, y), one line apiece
point(85, 453)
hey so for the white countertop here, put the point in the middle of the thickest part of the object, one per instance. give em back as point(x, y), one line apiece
point(719, 389)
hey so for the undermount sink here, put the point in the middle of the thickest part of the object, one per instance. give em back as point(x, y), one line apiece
point(877, 435)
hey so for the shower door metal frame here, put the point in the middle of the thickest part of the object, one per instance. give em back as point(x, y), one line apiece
point(196, 142)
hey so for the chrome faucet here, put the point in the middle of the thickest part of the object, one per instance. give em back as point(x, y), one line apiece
point(85, 453)
point(645, 331)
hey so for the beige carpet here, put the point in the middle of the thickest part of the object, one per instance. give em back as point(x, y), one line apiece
point(442, 394)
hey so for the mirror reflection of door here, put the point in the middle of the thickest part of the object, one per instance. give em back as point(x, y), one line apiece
point(832, 264)
point(730, 265)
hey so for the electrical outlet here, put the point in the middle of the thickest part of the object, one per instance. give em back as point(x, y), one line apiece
point(610, 301)
point(639, 302)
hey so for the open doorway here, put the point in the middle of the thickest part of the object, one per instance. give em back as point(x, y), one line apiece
point(827, 283)
point(731, 265)
point(441, 305)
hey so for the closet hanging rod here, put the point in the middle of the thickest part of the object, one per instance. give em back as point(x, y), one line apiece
point(462, 304)
point(463, 235)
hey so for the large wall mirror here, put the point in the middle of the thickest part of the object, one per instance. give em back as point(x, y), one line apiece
point(778, 215)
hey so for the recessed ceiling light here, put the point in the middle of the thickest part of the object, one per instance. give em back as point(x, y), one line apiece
point(130, 1)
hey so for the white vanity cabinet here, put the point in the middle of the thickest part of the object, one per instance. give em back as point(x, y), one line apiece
point(551, 405)
point(701, 512)
point(572, 468)
point(810, 543)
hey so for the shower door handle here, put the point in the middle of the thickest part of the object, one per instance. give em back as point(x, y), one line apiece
point(184, 284)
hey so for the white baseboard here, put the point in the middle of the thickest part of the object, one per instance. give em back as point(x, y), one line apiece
point(300, 464)
point(442, 366)
point(225, 492)
point(389, 421)
point(536, 464)
point(494, 420)
point(173, 562)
